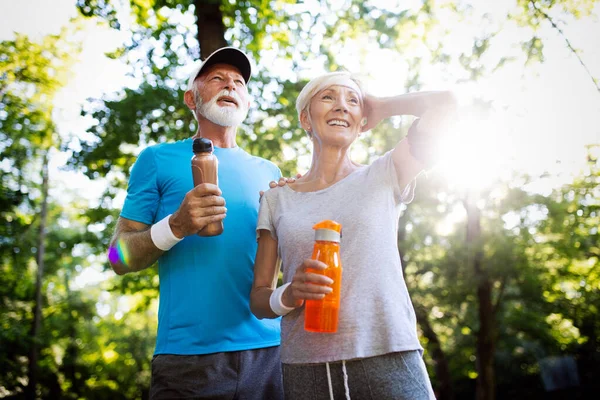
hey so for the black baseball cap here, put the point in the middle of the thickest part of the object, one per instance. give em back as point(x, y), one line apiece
point(224, 55)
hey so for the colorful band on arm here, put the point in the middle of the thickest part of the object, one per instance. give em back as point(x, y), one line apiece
point(162, 235)
point(275, 301)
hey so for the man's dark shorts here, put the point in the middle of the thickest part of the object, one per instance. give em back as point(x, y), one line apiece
point(244, 375)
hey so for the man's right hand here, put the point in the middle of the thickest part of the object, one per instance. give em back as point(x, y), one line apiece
point(201, 206)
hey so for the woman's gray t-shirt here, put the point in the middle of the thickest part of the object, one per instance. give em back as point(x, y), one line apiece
point(376, 313)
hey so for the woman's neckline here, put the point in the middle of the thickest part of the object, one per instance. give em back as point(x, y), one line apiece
point(360, 168)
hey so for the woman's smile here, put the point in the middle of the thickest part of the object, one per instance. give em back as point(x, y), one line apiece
point(338, 122)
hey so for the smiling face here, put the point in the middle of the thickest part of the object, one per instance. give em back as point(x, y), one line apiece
point(334, 114)
point(221, 95)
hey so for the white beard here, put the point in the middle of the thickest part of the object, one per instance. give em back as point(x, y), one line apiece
point(223, 116)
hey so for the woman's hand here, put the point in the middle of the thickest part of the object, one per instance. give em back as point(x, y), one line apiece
point(372, 112)
point(307, 285)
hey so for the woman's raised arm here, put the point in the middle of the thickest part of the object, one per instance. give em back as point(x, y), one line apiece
point(416, 152)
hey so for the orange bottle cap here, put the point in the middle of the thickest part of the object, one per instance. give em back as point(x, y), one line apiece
point(329, 224)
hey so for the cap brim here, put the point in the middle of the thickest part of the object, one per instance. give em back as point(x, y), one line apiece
point(231, 56)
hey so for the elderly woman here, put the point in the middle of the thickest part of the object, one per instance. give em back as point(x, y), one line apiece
point(375, 354)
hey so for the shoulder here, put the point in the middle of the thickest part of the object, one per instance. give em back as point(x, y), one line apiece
point(387, 157)
point(274, 193)
point(175, 147)
point(263, 163)
point(165, 148)
point(272, 197)
point(381, 166)
point(146, 156)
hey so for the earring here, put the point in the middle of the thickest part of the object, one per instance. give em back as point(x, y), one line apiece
point(363, 121)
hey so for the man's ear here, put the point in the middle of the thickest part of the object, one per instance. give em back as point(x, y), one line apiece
point(188, 99)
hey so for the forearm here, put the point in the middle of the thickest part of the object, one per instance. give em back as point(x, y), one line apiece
point(132, 248)
point(417, 104)
point(421, 149)
point(259, 303)
point(266, 271)
point(136, 251)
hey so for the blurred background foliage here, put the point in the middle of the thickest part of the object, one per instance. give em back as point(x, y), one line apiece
point(507, 299)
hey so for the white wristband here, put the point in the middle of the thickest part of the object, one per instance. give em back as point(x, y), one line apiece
point(275, 301)
point(162, 235)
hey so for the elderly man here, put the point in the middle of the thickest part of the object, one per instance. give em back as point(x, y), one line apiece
point(209, 344)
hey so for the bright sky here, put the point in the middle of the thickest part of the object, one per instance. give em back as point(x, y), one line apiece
point(545, 113)
point(552, 110)
point(93, 76)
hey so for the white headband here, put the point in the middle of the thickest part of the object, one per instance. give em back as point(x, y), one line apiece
point(347, 82)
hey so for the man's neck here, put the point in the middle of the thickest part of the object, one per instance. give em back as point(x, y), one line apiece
point(221, 136)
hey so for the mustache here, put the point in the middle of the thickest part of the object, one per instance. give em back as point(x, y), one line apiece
point(229, 93)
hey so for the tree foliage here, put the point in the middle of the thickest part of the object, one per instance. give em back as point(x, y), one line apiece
point(538, 255)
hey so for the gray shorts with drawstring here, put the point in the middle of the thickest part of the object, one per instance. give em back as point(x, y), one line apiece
point(399, 376)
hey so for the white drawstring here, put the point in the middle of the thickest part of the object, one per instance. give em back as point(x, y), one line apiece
point(329, 381)
point(346, 388)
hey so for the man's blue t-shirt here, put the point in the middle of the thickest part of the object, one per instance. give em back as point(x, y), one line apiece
point(205, 282)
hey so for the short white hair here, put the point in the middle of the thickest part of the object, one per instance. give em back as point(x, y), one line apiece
point(321, 82)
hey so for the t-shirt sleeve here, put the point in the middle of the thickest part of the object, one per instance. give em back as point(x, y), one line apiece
point(141, 203)
point(265, 216)
point(276, 172)
point(385, 168)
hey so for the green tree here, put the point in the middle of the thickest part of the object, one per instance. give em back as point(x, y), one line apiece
point(51, 329)
point(568, 243)
point(30, 75)
point(464, 289)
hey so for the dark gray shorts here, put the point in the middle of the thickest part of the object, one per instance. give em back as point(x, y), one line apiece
point(399, 376)
point(249, 374)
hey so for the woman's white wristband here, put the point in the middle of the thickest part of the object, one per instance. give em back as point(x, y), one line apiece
point(275, 301)
point(162, 235)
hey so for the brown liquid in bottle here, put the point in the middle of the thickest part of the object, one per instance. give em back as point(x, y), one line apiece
point(205, 167)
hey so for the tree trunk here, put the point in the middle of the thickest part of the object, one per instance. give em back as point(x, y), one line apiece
point(69, 364)
point(486, 342)
point(37, 313)
point(445, 390)
point(211, 30)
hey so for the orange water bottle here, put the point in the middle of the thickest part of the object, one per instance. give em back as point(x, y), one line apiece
point(322, 315)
